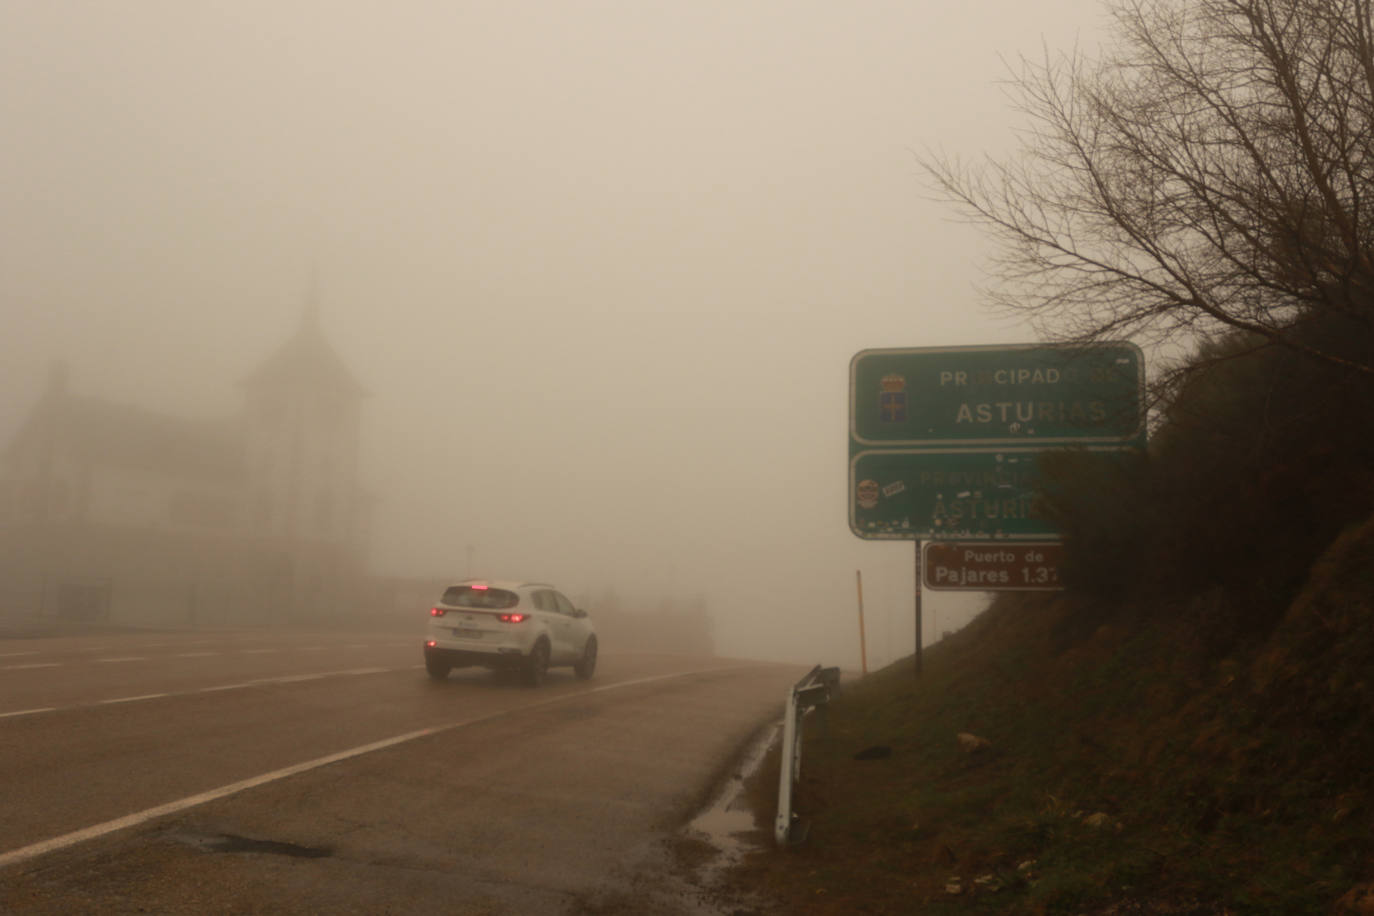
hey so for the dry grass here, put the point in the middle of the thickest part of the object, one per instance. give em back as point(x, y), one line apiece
point(1129, 768)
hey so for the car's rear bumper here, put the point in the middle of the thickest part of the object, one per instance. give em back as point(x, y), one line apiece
point(507, 657)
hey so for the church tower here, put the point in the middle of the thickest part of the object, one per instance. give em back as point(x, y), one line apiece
point(302, 430)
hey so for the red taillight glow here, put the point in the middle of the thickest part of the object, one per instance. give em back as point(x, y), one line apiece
point(437, 612)
point(479, 588)
point(513, 618)
point(431, 643)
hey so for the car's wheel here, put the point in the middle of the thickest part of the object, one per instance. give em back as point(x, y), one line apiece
point(437, 668)
point(586, 667)
point(537, 664)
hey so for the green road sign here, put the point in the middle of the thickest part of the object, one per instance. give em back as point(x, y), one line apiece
point(922, 494)
point(1029, 395)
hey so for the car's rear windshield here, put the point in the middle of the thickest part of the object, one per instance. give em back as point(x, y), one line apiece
point(491, 598)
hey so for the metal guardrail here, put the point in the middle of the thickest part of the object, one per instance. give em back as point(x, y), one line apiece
point(810, 692)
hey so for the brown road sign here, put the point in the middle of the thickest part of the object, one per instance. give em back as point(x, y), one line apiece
point(993, 566)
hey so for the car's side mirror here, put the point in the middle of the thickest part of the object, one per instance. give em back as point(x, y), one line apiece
point(578, 612)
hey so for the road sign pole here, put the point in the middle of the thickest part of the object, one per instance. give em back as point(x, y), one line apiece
point(917, 542)
point(863, 644)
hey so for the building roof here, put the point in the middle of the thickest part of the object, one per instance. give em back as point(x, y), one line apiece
point(98, 432)
point(306, 360)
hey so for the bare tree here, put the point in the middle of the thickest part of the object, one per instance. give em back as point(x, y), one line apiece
point(1212, 171)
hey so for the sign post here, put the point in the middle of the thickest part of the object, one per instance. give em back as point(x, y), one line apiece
point(863, 644)
point(944, 444)
point(919, 636)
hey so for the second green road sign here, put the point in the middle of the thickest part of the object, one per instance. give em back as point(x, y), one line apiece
point(908, 495)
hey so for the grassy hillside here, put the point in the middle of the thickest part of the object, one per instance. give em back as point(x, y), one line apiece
point(1133, 764)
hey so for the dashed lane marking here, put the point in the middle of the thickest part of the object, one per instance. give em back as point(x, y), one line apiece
point(200, 654)
point(145, 696)
point(217, 688)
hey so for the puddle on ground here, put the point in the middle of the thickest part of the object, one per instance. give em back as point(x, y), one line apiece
point(726, 822)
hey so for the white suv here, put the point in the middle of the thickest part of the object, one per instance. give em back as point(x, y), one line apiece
point(528, 626)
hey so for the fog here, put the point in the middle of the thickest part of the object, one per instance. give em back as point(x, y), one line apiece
point(601, 266)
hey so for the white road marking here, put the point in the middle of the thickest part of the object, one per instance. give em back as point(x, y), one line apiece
point(34, 850)
point(27, 712)
point(146, 696)
point(259, 651)
point(15, 654)
point(226, 687)
point(258, 682)
point(194, 654)
point(124, 658)
point(31, 665)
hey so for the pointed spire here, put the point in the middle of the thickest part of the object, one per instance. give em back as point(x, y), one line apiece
point(307, 356)
point(59, 375)
point(310, 317)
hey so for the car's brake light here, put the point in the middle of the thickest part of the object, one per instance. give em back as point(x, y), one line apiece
point(437, 612)
point(431, 644)
point(513, 618)
point(479, 588)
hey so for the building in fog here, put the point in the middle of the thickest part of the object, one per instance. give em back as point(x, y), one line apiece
point(114, 511)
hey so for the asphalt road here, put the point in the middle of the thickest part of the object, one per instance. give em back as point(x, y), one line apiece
point(290, 772)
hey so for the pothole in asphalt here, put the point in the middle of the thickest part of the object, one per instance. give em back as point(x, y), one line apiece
point(232, 842)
